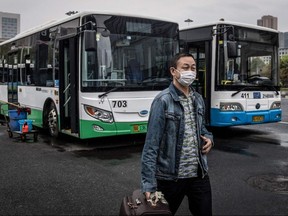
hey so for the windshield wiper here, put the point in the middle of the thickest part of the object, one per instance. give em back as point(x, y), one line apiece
point(235, 93)
point(111, 90)
point(271, 87)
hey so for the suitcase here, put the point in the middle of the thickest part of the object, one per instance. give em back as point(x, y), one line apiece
point(138, 205)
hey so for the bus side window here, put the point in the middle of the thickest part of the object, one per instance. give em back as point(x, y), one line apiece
point(5, 72)
point(27, 70)
point(56, 81)
point(46, 77)
point(1, 74)
point(49, 81)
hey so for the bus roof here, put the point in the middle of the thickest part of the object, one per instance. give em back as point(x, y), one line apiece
point(52, 23)
point(231, 23)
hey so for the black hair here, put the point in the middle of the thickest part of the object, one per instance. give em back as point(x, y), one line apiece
point(175, 58)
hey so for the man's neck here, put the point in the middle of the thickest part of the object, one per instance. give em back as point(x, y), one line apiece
point(184, 89)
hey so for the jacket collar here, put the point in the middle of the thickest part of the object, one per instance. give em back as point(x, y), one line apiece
point(175, 92)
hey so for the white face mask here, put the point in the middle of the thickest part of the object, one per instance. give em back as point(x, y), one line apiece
point(186, 77)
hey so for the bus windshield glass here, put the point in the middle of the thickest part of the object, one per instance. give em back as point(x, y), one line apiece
point(134, 54)
point(246, 57)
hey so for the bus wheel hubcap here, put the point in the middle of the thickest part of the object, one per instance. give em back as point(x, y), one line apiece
point(52, 120)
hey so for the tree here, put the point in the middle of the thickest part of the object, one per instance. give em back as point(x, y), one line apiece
point(266, 71)
point(257, 66)
point(284, 71)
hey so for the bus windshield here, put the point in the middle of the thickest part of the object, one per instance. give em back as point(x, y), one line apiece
point(134, 55)
point(248, 60)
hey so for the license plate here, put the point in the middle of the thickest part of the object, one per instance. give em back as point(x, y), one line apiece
point(139, 128)
point(257, 118)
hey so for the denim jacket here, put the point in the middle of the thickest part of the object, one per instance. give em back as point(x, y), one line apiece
point(164, 138)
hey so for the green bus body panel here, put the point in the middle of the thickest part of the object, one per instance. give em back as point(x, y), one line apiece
point(87, 128)
point(4, 109)
point(36, 116)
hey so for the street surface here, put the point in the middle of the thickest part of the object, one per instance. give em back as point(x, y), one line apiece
point(248, 172)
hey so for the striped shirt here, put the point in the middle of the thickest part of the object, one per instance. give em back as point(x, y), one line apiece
point(189, 154)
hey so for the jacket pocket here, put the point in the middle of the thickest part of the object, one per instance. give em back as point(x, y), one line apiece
point(172, 116)
point(166, 157)
point(172, 123)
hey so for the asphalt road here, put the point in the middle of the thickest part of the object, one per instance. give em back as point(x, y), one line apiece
point(248, 172)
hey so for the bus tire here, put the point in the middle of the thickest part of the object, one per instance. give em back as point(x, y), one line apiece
point(10, 134)
point(52, 121)
point(35, 137)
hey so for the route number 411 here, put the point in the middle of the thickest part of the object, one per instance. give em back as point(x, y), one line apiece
point(245, 95)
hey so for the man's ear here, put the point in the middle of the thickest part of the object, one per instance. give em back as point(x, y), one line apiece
point(172, 71)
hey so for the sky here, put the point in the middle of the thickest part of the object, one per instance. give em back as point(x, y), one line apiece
point(37, 12)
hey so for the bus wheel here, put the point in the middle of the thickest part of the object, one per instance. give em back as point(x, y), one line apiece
point(10, 134)
point(52, 121)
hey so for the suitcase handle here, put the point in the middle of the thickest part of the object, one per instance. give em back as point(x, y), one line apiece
point(131, 205)
point(155, 197)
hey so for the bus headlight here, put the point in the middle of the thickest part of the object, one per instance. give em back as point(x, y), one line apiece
point(230, 107)
point(276, 105)
point(102, 115)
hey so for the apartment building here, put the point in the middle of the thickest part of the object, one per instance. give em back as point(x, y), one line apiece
point(9, 25)
point(268, 21)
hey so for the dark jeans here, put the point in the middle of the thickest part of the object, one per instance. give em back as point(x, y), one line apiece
point(198, 191)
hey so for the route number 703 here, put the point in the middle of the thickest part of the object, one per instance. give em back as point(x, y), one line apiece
point(119, 104)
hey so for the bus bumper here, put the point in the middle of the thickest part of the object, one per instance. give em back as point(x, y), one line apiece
point(93, 129)
point(224, 119)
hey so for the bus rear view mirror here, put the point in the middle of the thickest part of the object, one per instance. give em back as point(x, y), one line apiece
point(90, 40)
point(232, 47)
point(105, 33)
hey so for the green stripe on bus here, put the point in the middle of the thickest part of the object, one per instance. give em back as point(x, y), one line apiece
point(4, 109)
point(92, 129)
point(36, 116)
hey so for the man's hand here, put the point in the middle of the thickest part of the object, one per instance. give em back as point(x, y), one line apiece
point(207, 145)
point(147, 195)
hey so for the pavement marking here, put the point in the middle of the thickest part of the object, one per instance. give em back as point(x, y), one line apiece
point(283, 122)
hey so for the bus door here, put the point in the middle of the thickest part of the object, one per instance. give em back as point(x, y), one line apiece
point(68, 86)
point(202, 54)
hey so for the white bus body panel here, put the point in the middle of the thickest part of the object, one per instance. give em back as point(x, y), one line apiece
point(35, 97)
point(131, 112)
point(3, 93)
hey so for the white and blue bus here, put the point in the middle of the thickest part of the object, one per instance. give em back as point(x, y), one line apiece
point(238, 72)
point(91, 74)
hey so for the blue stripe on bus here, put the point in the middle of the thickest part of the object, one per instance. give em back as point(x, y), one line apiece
point(223, 119)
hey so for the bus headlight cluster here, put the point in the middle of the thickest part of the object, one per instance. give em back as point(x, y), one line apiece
point(230, 107)
point(276, 105)
point(102, 115)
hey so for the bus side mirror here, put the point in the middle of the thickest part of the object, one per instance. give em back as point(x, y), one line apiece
point(232, 47)
point(105, 33)
point(90, 40)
